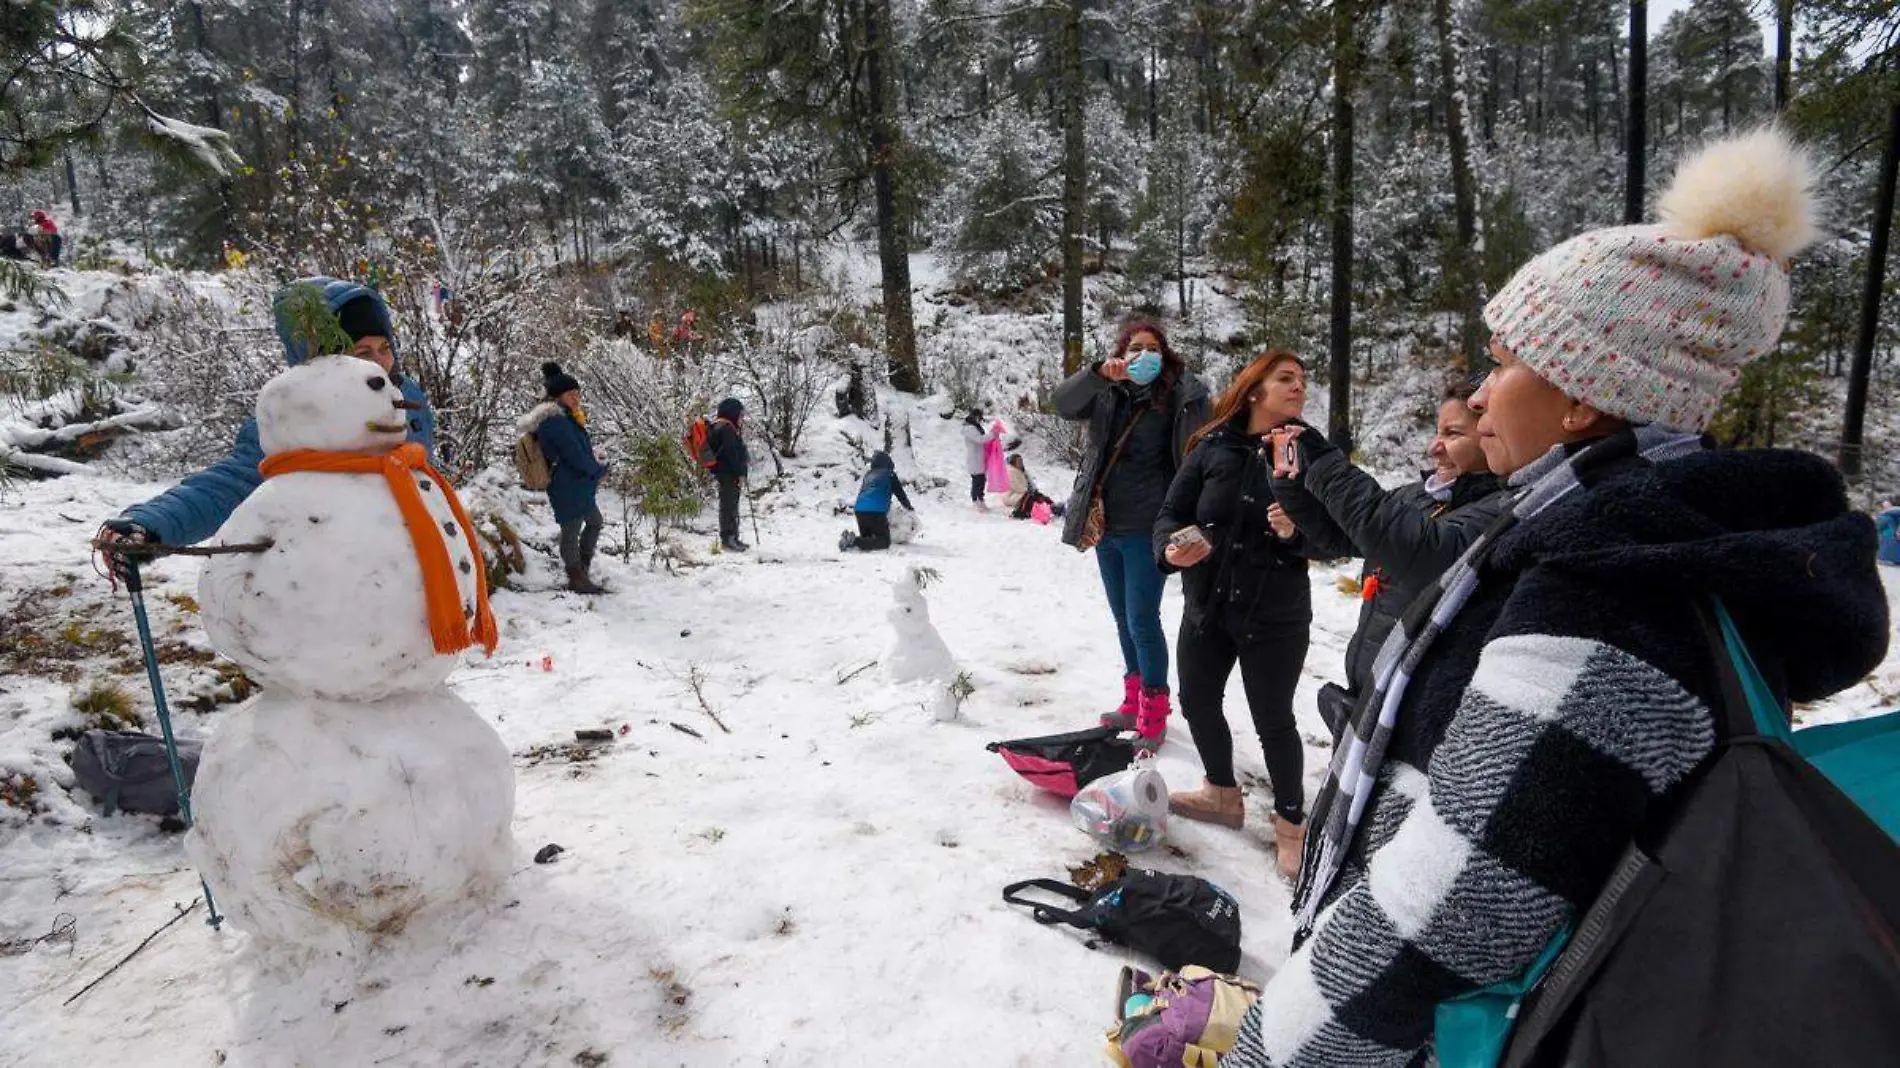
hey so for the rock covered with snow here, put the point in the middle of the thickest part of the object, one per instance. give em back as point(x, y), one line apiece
point(335, 608)
point(336, 826)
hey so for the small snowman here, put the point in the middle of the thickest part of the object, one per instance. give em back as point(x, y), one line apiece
point(356, 801)
point(917, 652)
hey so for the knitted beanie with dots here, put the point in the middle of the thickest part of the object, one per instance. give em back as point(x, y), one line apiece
point(1653, 324)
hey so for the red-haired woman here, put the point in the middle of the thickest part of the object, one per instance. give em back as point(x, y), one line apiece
point(1141, 404)
point(1248, 599)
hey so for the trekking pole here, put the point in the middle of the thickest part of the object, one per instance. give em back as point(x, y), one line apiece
point(136, 587)
point(753, 511)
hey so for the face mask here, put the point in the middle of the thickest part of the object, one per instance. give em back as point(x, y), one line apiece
point(1144, 368)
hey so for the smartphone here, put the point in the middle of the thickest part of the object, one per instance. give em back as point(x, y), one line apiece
point(1186, 537)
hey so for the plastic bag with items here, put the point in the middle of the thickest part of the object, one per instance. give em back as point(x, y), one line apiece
point(1126, 811)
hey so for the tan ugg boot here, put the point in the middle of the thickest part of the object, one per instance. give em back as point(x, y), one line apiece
point(1289, 842)
point(1210, 804)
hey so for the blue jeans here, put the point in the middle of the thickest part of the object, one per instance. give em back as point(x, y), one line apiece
point(1133, 584)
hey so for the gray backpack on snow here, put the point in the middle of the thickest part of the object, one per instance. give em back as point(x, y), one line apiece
point(128, 770)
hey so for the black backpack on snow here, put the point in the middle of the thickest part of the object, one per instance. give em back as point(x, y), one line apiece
point(1177, 919)
point(130, 771)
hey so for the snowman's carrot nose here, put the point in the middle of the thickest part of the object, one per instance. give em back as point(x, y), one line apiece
point(406, 405)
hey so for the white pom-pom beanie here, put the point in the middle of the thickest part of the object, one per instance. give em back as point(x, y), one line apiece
point(1654, 323)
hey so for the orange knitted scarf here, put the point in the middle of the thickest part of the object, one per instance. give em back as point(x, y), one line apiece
point(448, 626)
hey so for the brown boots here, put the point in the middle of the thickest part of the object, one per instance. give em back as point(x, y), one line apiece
point(1210, 804)
point(1225, 806)
point(1289, 842)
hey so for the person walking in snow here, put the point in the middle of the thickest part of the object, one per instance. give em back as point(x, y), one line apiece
point(1409, 536)
point(976, 443)
point(1248, 601)
point(726, 438)
point(194, 509)
point(1141, 404)
point(559, 424)
point(873, 509)
point(1540, 706)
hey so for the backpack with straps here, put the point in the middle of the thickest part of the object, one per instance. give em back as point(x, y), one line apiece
point(1177, 919)
point(531, 463)
point(698, 442)
point(1757, 922)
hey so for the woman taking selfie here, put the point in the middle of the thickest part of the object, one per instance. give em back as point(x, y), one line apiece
point(1544, 703)
point(1140, 404)
point(1247, 598)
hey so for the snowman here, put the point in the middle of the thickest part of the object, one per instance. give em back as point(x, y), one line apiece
point(917, 653)
point(356, 801)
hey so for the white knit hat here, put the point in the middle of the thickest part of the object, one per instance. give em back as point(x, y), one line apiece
point(1653, 323)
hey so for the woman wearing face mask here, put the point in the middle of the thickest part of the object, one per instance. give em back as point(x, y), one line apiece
point(1140, 404)
point(1248, 598)
point(1541, 706)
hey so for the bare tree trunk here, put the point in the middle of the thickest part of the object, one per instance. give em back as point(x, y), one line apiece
point(1074, 185)
point(1345, 77)
point(1784, 48)
point(893, 245)
point(72, 183)
point(1154, 92)
point(1852, 428)
point(1467, 261)
point(1634, 176)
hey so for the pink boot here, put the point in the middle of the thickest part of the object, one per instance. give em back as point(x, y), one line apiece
point(1151, 723)
point(1123, 718)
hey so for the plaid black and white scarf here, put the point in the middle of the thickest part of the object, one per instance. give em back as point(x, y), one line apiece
point(1354, 771)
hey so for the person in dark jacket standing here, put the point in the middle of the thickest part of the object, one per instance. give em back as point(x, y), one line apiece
point(873, 508)
point(1248, 598)
point(560, 425)
point(1541, 706)
point(194, 509)
point(1408, 536)
point(726, 438)
point(1140, 404)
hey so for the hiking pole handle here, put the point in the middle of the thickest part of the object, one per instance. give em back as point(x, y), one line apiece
point(135, 585)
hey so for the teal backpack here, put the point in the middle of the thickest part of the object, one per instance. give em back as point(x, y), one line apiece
point(1860, 758)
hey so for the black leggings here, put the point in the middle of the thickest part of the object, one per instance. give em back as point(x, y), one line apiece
point(977, 484)
point(1270, 661)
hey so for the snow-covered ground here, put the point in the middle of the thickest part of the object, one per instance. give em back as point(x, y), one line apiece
point(818, 886)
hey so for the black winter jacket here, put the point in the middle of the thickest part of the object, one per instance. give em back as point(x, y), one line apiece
point(730, 456)
point(1252, 577)
point(1407, 539)
point(1107, 406)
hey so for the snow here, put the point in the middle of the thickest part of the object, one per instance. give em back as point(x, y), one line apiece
point(820, 885)
point(343, 828)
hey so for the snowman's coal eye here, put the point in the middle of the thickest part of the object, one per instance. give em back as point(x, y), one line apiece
point(377, 382)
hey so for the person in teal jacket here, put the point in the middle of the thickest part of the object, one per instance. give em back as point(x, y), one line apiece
point(194, 509)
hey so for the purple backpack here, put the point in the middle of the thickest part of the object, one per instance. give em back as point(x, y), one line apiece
point(1184, 1019)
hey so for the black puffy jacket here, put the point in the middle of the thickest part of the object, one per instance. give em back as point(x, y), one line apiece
point(1407, 539)
point(1224, 486)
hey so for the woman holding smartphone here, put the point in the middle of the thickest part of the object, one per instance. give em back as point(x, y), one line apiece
point(1248, 600)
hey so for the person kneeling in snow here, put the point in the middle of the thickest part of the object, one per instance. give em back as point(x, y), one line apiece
point(1023, 495)
point(560, 425)
point(194, 509)
point(874, 506)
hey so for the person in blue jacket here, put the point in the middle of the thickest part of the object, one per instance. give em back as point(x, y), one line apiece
point(560, 425)
point(194, 509)
point(874, 506)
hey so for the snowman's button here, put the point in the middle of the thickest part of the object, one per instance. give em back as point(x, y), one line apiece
point(468, 610)
point(466, 569)
point(449, 529)
point(425, 484)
